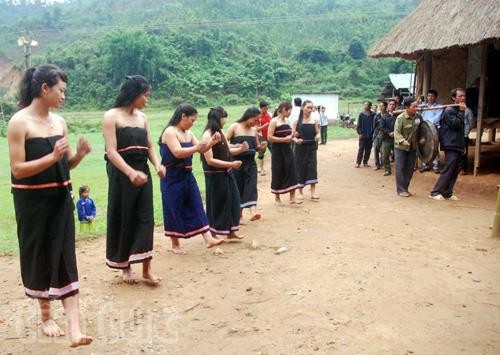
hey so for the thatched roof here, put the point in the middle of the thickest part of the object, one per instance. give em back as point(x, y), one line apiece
point(440, 24)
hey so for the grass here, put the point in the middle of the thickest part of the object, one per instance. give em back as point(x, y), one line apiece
point(92, 171)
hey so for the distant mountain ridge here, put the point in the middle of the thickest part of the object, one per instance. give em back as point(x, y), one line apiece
point(272, 47)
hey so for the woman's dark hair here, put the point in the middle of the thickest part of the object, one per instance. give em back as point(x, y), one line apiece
point(301, 114)
point(131, 89)
point(186, 109)
point(249, 113)
point(285, 105)
point(215, 114)
point(34, 78)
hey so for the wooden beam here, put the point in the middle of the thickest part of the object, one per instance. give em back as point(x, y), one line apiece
point(426, 85)
point(480, 109)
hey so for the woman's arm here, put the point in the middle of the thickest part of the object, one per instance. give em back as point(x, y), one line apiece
point(270, 132)
point(230, 132)
point(16, 138)
point(209, 157)
point(259, 145)
point(137, 177)
point(82, 148)
point(317, 137)
point(153, 158)
point(170, 138)
point(272, 138)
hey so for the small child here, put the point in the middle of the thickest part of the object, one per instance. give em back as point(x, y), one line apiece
point(86, 209)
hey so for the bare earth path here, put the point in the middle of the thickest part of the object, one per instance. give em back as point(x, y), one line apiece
point(366, 272)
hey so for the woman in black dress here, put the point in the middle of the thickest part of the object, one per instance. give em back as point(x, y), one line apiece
point(222, 195)
point(130, 219)
point(40, 159)
point(242, 131)
point(307, 135)
point(280, 134)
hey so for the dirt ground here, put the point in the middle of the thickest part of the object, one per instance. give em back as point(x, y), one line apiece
point(366, 272)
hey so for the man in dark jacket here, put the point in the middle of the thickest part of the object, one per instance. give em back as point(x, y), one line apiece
point(387, 130)
point(452, 142)
point(365, 133)
point(377, 135)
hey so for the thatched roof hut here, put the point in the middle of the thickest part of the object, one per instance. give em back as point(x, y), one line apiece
point(453, 42)
point(440, 25)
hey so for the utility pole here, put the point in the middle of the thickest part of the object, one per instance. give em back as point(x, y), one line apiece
point(27, 43)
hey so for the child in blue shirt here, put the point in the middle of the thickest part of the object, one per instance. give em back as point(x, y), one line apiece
point(86, 209)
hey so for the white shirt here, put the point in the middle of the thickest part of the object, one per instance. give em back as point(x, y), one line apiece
point(294, 115)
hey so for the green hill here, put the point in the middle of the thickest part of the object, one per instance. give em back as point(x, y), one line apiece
point(213, 51)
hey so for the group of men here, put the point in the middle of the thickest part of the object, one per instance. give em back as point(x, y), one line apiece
point(394, 137)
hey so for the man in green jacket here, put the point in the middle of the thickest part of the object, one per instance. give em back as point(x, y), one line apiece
point(405, 145)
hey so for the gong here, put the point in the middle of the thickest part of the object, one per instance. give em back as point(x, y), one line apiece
point(427, 142)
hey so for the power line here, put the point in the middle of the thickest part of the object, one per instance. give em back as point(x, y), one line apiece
point(213, 24)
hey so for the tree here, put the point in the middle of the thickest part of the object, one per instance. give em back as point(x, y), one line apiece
point(356, 49)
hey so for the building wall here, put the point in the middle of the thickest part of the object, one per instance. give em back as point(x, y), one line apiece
point(449, 70)
point(330, 101)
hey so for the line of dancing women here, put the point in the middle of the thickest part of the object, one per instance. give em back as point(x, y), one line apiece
point(41, 158)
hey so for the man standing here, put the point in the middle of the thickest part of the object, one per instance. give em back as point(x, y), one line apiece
point(377, 134)
point(468, 125)
point(432, 116)
point(294, 115)
point(405, 144)
point(323, 122)
point(265, 119)
point(387, 132)
point(365, 133)
point(452, 142)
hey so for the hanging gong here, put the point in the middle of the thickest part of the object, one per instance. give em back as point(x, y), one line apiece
point(427, 142)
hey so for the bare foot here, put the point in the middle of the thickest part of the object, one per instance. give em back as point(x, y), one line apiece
point(178, 250)
point(51, 329)
point(151, 279)
point(278, 203)
point(214, 242)
point(235, 236)
point(296, 202)
point(315, 198)
point(128, 276)
point(80, 339)
point(255, 217)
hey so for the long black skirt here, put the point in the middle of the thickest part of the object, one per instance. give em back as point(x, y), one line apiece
point(284, 177)
point(306, 164)
point(246, 180)
point(130, 221)
point(223, 202)
point(46, 233)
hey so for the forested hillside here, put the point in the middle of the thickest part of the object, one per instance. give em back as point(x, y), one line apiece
point(208, 51)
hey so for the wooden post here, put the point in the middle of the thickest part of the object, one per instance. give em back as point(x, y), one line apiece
point(495, 233)
point(480, 110)
point(426, 85)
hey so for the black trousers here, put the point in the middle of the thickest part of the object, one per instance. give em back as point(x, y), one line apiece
point(324, 134)
point(463, 161)
point(377, 151)
point(364, 150)
point(404, 163)
point(449, 174)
